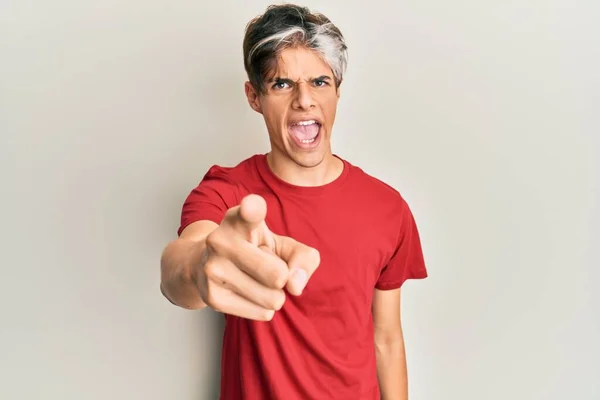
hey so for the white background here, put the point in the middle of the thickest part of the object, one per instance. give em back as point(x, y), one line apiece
point(484, 114)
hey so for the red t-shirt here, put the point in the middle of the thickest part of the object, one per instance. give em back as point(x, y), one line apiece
point(320, 345)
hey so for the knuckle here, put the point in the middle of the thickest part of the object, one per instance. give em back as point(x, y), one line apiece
point(312, 257)
point(219, 240)
point(278, 279)
point(213, 270)
point(277, 301)
point(213, 239)
point(217, 303)
point(211, 300)
point(315, 255)
point(230, 214)
point(267, 315)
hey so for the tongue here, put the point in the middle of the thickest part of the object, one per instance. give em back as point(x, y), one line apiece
point(305, 132)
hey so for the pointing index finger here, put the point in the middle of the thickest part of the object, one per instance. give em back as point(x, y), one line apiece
point(248, 217)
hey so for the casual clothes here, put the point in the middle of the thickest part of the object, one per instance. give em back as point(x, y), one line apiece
point(320, 345)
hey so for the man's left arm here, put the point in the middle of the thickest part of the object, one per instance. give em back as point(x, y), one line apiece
point(389, 345)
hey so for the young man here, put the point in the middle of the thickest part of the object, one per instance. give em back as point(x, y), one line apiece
point(303, 252)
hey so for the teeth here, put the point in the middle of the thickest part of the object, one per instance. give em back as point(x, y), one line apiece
point(307, 141)
point(304, 123)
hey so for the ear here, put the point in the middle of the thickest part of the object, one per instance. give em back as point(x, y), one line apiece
point(253, 97)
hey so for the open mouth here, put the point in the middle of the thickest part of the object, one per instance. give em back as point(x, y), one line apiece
point(305, 132)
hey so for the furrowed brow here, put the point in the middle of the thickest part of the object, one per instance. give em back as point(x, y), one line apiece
point(280, 79)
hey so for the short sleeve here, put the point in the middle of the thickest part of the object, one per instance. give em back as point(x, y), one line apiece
point(407, 261)
point(213, 196)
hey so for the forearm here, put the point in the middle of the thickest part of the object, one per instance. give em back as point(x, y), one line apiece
point(391, 368)
point(179, 283)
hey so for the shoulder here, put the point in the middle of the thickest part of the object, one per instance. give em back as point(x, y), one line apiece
point(217, 191)
point(231, 173)
point(233, 170)
point(222, 182)
point(381, 204)
point(373, 188)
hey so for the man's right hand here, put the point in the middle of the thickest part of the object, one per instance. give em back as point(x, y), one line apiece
point(246, 266)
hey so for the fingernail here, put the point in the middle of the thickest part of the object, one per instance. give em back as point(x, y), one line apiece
point(299, 278)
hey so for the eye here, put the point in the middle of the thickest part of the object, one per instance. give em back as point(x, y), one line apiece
point(280, 85)
point(320, 83)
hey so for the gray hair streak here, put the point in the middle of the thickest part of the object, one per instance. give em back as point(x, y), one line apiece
point(285, 26)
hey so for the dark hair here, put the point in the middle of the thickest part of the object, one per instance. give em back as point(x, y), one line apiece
point(285, 26)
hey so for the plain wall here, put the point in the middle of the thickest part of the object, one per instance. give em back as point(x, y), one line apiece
point(483, 114)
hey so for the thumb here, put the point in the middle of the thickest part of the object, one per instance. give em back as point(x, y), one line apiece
point(301, 259)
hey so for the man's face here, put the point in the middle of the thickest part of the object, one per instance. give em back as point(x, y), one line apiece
point(299, 106)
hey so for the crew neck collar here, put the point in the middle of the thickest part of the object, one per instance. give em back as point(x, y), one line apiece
point(272, 179)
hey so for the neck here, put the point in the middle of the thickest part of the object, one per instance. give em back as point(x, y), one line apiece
point(287, 170)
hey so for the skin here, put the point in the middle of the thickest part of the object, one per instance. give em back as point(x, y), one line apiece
point(389, 345)
point(301, 85)
point(212, 265)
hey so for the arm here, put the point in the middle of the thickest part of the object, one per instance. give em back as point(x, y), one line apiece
point(232, 267)
point(389, 345)
point(178, 265)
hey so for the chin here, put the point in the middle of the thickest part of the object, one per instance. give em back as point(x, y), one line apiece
point(308, 160)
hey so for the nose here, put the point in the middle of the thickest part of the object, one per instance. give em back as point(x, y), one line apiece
point(304, 99)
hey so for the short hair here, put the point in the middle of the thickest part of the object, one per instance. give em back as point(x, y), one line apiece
point(288, 26)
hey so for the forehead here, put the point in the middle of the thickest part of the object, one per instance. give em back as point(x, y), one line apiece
point(300, 63)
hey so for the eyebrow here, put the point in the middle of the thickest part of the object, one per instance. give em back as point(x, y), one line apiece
point(288, 80)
